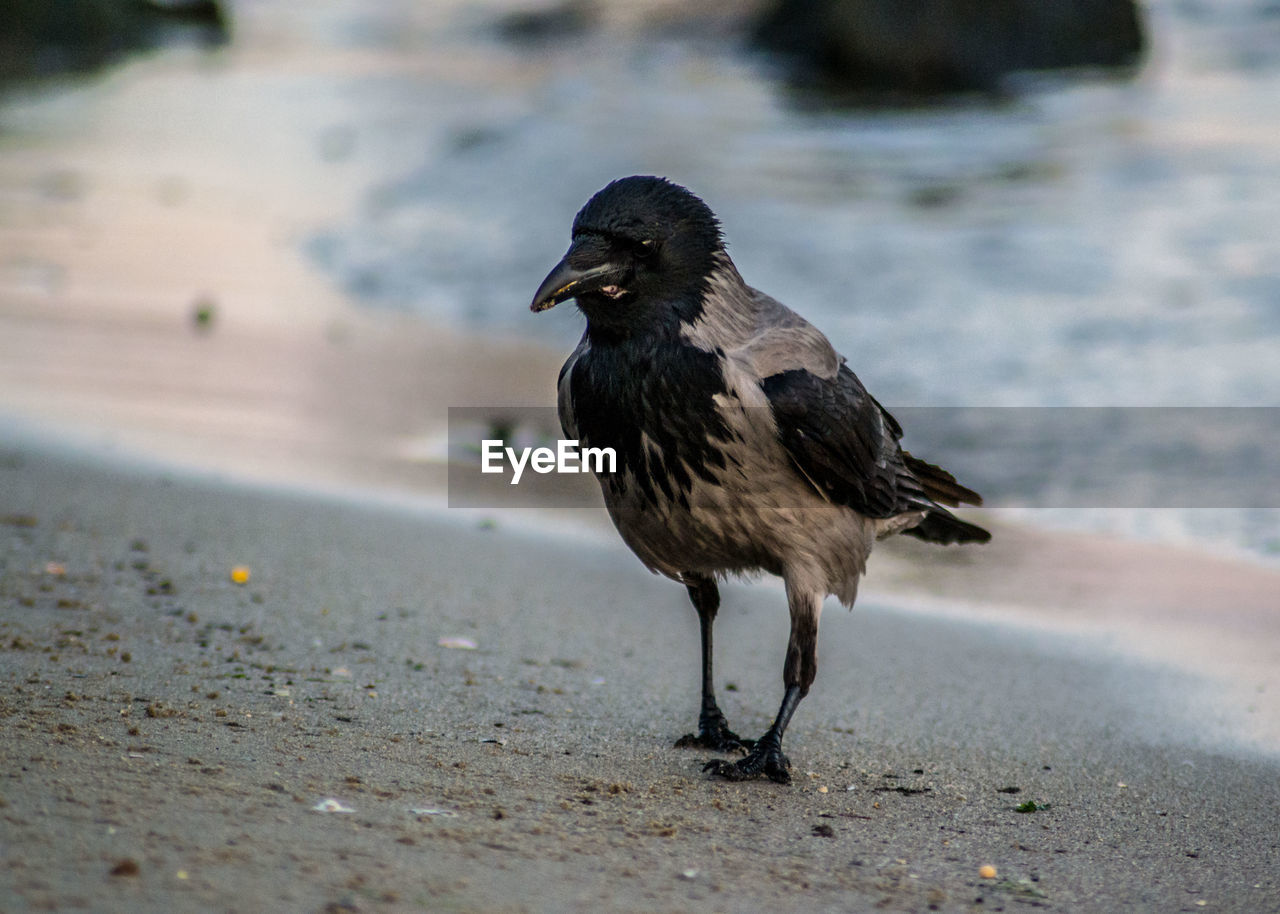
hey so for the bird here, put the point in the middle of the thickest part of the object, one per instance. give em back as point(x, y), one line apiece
point(744, 443)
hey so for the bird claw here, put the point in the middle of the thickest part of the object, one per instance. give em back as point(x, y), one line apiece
point(714, 734)
point(718, 740)
point(767, 761)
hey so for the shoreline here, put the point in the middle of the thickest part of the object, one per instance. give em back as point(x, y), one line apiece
point(1207, 616)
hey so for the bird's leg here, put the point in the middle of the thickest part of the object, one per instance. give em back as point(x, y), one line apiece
point(766, 757)
point(713, 729)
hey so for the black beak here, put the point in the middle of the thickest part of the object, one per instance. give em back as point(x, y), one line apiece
point(574, 275)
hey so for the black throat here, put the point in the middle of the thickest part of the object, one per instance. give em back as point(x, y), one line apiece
point(655, 386)
point(644, 320)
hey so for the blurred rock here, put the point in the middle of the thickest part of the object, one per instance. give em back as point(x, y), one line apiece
point(41, 38)
point(208, 11)
point(571, 19)
point(933, 46)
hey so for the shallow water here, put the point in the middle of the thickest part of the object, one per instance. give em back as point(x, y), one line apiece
point(1089, 243)
point(1086, 244)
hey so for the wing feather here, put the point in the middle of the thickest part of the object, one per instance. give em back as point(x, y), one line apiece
point(843, 441)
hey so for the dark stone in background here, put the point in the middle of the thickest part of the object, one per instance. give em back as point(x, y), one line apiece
point(936, 46)
point(571, 19)
point(42, 38)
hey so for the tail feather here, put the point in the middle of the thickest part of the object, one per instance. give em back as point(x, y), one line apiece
point(941, 526)
point(940, 485)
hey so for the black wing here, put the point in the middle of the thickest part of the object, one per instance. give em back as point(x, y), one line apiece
point(846, 445)
point(842, 441)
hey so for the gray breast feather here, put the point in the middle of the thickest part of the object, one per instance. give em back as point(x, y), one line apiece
point(759, 514)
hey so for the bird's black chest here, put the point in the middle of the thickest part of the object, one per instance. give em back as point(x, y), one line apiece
point(655, 404)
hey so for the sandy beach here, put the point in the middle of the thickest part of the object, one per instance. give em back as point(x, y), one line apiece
point(171, 733)
point(407, 707)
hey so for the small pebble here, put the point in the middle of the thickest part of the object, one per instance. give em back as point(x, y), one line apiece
point(331, 805)
point(437, 813)
point(987, 871)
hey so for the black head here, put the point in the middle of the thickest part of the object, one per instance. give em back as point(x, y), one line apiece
point(643, 249)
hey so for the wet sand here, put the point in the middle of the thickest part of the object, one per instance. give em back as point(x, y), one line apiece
point(169, 732)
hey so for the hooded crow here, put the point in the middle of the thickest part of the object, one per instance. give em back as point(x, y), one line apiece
point(744, 444)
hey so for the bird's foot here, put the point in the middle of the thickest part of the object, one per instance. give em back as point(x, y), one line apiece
point(714, 734)
point(765, 759)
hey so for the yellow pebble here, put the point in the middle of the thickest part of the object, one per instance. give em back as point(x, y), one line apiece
point(240, 574)
point(987, 871)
